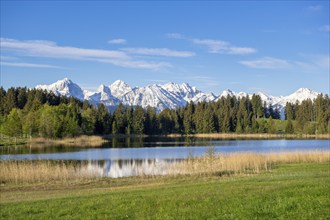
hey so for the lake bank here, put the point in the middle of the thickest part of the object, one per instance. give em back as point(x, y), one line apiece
point(82, 141)
point(289, 191)
point(255, 136)
point(95, 141)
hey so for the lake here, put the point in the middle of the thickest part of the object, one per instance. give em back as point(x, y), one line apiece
point(150, 156)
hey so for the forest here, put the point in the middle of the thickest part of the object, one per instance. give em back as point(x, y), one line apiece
point(37, 113)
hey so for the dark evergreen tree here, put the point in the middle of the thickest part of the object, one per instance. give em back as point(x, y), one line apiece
point(139, 119)
point(188, 122)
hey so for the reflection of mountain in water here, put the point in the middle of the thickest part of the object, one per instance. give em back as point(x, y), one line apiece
point(133, 167)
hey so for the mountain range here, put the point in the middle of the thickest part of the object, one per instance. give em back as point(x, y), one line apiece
point(169, 95)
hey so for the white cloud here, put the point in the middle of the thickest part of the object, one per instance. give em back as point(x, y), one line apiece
point(52, 50)
point(8, 58)
point(241, 50)
point(325, 28)
point(175, 36)
point(159, 52)
point(117, 41)
point(140, 64)
point(311, 63)
point(214, 46)
point(266, 63)
point(322, 61)
point(33, 65)
point(315, 8)
point(218, 46)
point(314, 63)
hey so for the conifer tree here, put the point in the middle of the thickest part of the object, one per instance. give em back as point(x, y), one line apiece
point(289, 127)
point(138, 120)
point(188, 122)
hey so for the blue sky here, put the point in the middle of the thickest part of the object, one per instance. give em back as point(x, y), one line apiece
point(275, 47)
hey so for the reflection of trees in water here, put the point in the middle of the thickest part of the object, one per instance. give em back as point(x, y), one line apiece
point(143, 141)
point(131, 167)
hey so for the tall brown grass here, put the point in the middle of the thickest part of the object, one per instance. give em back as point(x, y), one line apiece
point(248, 163)
point(41, 171)
point(19, 172)
point(80, 141)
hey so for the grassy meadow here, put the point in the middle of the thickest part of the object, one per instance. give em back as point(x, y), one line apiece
point(289, 191)
point(234, 186)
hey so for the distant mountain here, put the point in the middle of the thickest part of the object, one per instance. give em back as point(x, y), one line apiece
point(64, 87)
point(169, 95)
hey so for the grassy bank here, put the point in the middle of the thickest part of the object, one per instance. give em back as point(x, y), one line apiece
point(255, 136)
point(95, 141)
point(289, 191)
point(81, 141)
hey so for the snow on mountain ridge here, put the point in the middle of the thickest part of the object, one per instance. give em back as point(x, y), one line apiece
point(169, 95)
point(183, 90)
point(64, 87)
point(119, 88)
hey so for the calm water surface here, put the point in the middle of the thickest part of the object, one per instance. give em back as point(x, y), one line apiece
point(150, 156)
point(176, 148)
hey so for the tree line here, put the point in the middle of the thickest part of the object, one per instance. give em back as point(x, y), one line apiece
point(37, 113)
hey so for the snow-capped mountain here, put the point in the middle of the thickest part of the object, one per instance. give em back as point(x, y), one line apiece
point(169, 95)
point(300, 95)
point(119, 89)
point(184, 90)
point(64, 87)
point(102, 95)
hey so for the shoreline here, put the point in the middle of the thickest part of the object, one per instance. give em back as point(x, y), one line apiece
point(253, 136)
point(95, 140)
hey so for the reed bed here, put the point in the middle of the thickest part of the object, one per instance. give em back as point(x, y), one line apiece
point(81, 141)
point(41, 171)
point(243, 163)
point(19, 172)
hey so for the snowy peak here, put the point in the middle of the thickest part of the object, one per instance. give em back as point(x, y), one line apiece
point(105, 92)
point(156, 96)
point(102, 95)
point(119, 88)
point(64, 87)
point(103, 88)
point(169, 95)
point(304, 93)
point(183, 90)
point(300, 95)
point(304, 90)
point(226, 93)
point(204, 97)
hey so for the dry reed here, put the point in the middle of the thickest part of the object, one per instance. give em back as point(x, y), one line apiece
point(81, 141)
point(248, 163)
point(41, 171)
point(211, 164)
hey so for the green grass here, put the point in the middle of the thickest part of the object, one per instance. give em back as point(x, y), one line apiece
point(290, 191)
